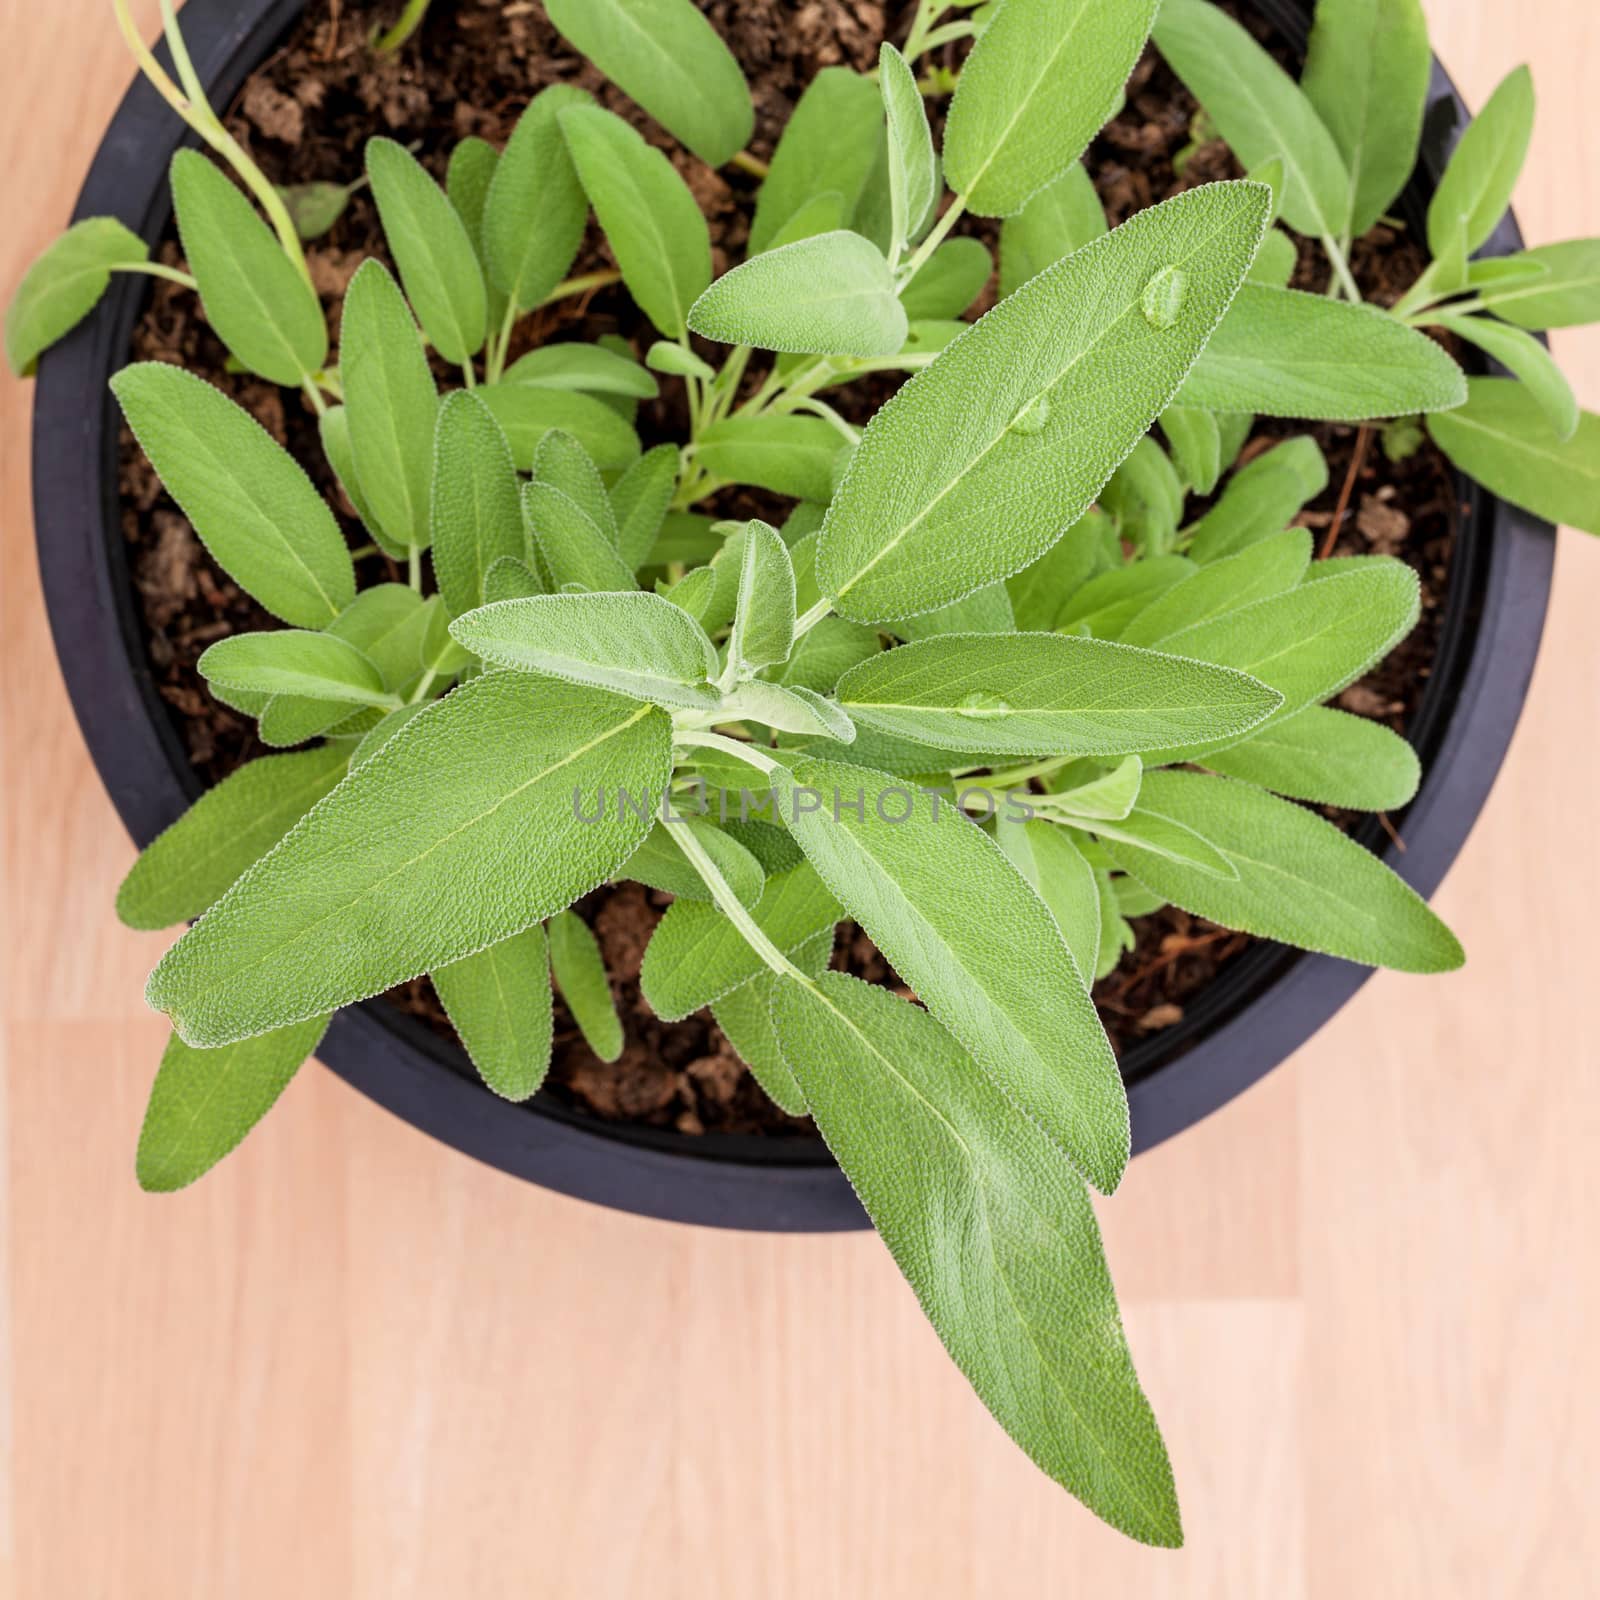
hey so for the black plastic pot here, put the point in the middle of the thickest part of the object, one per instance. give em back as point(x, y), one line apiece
point(1260, 1010)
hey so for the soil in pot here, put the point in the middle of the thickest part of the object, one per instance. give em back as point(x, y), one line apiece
point(305, 115)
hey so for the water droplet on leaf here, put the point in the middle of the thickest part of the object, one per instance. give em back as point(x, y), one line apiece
point(1033, 417)
point(983, 703)
point(1164, 294)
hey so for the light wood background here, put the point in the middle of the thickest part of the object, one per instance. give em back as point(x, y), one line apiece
point(354, 1364)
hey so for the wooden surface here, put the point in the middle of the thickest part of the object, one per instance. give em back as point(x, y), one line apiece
point(354, 1364)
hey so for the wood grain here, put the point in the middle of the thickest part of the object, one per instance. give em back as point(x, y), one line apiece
point(353, 1364)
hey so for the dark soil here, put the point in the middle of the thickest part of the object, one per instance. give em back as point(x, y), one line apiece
point(306, 115)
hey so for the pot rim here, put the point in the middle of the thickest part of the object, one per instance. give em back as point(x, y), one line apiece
point(1268, 1003)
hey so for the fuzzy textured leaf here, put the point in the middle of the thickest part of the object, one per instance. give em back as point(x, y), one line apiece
point(939, 899)
point(64, 284)
point(250, 502)
point(1043, 78)
point(204, 1102)
point(831, 294)
point(401, 870)
point(186, 868)
point(829, 145)
point(1061, 218)
point(433, 250)
point(1074, 359)
point(1284, 353)
point(1299, 878)
point(580, 974)
point(391, 406)
point(256, 298)
point(913, 166)
point(499, 1002)
point(477, 504)
point(1045, 694)
point(534, 217)
point(1367, 72)
point(1329, 758)
point(1475, 191)
point(527, 412)
point(668, 57)
point(651, 220)
point(995, 1235)
point(1502, 437)
point(636, 644)
point(786, 454)
point(1261, 111)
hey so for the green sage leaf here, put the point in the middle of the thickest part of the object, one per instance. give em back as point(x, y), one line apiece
point(580, 974)
point(534, 216)
point(831, 294)
point(1061, 218)
point(64, 284)
point(661, 863)
point(204, 1102)
point(1034, 406)
point(433, 250)
point(1526, 359)
point(829, 146)
point(589, 368)
point(1283, 353)
point(1042, 80)
point(476, 511)
point(1299, 878)
point(528, 412)
point(292, 661)
point(763, 624)
point(1044, 694)
point(1503, 438)
point(1475, 191)
point(1260, 498)
point(911, 871)
point(260, 303)
point(665, 55)
point(786, 454)
point(1264, 568)
point(696, 955)
point(1367, 72)
point(499, 1002)
point(640, 500)
point(1565, 295)
point(1046, 856)
point(250, 502)
point(745, 1016)
point(634, 644)
point(1261, 111)
point(391, 406)
point(1329, 758)
point(401, 870)
point(955, 275)
point(913, 167)
point(651, 220)
point(1012, 1275)
point(186, 868)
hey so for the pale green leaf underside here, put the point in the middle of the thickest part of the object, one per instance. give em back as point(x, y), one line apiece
point(635, 644)
point(64, 284)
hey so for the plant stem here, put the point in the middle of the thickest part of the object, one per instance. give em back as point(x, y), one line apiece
point(820, 408)
point(405, 25)
point(414, 568)
point(754, 165)
point(314, 394)
point(154, 269)
point(1341, 270)
point(196, 111)
point(581, 285)
point(948, 34)
point(928, 13)
point(729, 904)
point(1363, 439)
point(936, 237)
point(468, 376)
point(813, 617)
point(495, 365)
